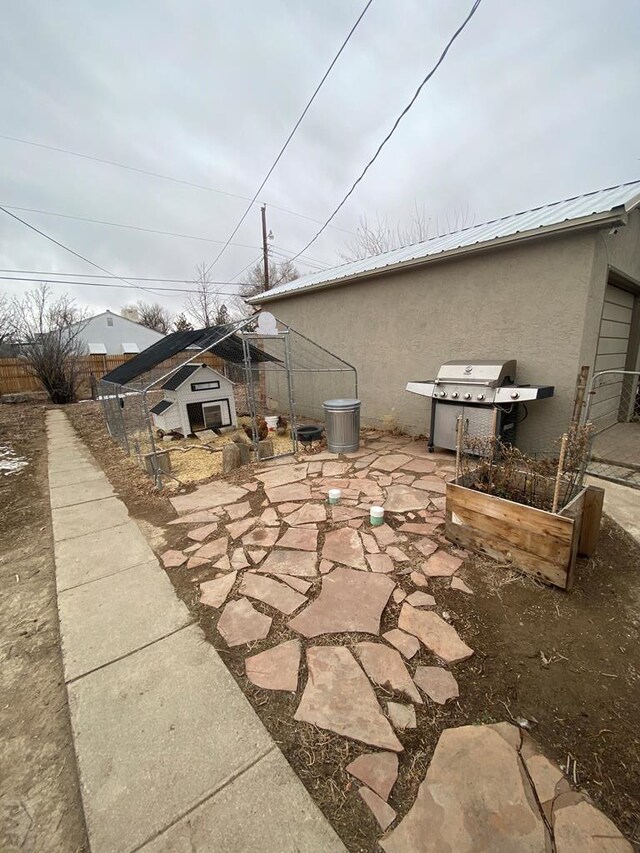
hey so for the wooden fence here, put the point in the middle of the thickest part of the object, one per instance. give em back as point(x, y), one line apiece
point(17, 378)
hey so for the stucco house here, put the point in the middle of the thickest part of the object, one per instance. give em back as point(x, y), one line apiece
point(196, 397)
point(556, 288)
point(111, 334)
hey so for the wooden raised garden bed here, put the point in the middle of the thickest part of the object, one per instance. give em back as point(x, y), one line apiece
point(540, 543)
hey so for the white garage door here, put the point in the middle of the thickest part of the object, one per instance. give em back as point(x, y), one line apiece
point(613, 343)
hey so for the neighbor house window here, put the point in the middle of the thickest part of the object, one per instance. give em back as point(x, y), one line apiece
point(109, 321)
point(205, 386)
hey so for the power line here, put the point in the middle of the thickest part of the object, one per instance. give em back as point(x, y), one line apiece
point(292, 134)
point(159, 292)
point(72, 251)
point(48, 273)
point(158, 175)
point(474, 8)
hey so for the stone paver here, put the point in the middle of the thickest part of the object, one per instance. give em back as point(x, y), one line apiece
point(261, 537)
point(419, 466)
point(307, 514)
point(349, 600)
point(199, 534)
point(300, 564)
point(426, 547)
point(544, 775)
point(460, 585)
point(380, 563)
point(241, 623)
point(344, 546)
point(283, 475)
point(370, 544)
point(396, 554)
point(216, 548)
point(271, 592)
point(405, 499)
point(237, 511)
point(418, 579)
point(214, 593)
point(301, 539)
point(399, 595)
point(296, 583)
point(196, 562)
point(418, 528)
point(384, 667)
point(239, 560)
point(382, 811)
point(208, 496)
point(201, 517)
point(339, 698)
point(421, 599)
point(269, 518)
point(441, 565)
point(390, 462)
point(439, 637)
point(173, 559)
point(223, 564)
point(290, 492)
point(437, 683)
point(384, 535)
point(276, 668)
point(406, 644)
point(237, 528)
point(377, 770)
point(474, 797)
point(402, 716)
point(581, 828)
point(256, 555)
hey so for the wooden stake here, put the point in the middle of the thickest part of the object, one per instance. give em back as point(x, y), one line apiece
point(578, 402)
point(556, 492)
point(459, 431)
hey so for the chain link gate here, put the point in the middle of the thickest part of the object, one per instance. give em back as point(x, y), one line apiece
point(613, 410)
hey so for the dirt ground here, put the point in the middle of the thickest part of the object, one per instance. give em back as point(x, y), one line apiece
point(40, 807)
point(565, 665)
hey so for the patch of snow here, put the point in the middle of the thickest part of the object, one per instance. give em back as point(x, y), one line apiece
point(10, 462)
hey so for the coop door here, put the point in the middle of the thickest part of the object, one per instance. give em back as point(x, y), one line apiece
point(212, 416)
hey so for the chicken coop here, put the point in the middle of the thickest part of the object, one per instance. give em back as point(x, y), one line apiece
point(254, 375)
point(196, 397)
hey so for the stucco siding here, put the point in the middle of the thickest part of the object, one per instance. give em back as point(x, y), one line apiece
point(526, 302)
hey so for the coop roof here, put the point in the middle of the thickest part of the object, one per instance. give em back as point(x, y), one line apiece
point(161, 407)
point(180, 376)
point(229, 349)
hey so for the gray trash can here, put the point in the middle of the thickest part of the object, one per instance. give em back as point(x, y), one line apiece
point(342, 422)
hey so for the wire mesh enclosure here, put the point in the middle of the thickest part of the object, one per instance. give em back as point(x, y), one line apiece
point(613, 410)
point(279, 377)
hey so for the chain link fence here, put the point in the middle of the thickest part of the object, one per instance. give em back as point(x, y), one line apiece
point(613, 410)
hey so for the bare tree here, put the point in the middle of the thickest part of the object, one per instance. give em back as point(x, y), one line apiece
point(278, 274)
point(181, 324)
point(379, 237)
point(205, 306)
point(48, 333)
point(154, 316)
point(6, 321)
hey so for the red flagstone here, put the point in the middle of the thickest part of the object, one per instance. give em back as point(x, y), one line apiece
point(420, 466)
point(384, 535)
point(307, 514)
point(236, 511)
point(382, 811)
point(426, 547)
point(338, 697)
point(269, 518)
point(296, 563)
point(283, 475)
point(349, 600)
point(209, 496)
point(399, 595)
point(460, 585)
point(418, 579)
point(390, 461)
point(370, 544)
point(256, 554)
point(421, 529)
point(262, 537)
point(380, 563)
point(241, 623)
point(344, 546)
point(441, 565)
point(378, 770)
point(406, 644)
point(439, 637)
point(271, 592)
point(214, 593)
point(214, 549)
point(402, 716)
point(300, 539)
point(291, 492)
point(346, 513)
point(421, 599)
point(287, 508)
point(325, 566)
point(200, 517)
point(437, 683)
point(384, 667)
point(224, 565)
point(238, 528)
point(276, 668)
point(396, 554)
point(173, 559)
point(239, 560)
point(195, 562)
point(296, 583)
point(430, 484)
point(201, 533)
point(405, 498)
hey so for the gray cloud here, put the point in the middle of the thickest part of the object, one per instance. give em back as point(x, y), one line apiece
point(535, 102)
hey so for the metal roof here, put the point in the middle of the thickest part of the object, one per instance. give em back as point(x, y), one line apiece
point(589, 210)
point(180, 376)
point(161, 407)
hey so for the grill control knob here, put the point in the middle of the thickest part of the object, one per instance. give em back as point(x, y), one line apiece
point(467, 396)
point(481, 396)
point(514, 395)
point(443, 393)
point(454, 394)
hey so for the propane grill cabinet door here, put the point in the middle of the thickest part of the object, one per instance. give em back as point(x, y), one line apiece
point(445, 425)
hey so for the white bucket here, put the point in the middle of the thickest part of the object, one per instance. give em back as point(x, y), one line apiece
point(376, 516)
point(334, 496)
point(272, 423)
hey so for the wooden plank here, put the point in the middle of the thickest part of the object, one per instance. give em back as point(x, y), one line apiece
point(505, 552)
point(574, 510)
point(591, 519)
point(529, 518)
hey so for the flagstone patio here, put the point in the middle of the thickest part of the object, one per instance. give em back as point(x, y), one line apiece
point(349, 610)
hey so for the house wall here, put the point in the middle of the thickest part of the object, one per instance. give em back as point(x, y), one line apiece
point(527, 302)
point(97, 330)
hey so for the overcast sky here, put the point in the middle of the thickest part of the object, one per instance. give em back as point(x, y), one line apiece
point(536, 101)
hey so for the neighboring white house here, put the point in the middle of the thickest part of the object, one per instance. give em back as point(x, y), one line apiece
point(111, 334)
point(196, 397)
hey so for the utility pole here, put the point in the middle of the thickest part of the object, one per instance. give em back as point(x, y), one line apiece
point(265, 247)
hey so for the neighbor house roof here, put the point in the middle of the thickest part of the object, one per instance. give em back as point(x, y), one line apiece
point(595, 209)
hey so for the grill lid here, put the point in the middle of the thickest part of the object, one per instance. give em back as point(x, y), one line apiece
point(490, 372)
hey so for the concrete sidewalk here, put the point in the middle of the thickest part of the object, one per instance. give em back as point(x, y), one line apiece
point(171, 756)
point(621, 503)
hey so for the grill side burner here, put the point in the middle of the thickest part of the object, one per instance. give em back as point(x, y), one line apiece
point(484, 393)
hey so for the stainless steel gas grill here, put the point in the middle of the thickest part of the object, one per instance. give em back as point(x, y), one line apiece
point(484, 393)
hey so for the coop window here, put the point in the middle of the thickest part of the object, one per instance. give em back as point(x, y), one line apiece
point(205, 386)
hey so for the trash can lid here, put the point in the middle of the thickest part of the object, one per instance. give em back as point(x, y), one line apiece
point(340, 404)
